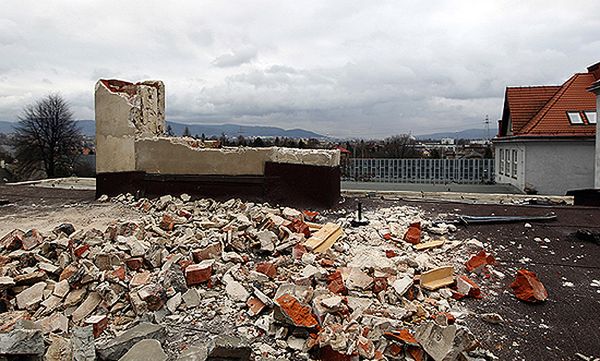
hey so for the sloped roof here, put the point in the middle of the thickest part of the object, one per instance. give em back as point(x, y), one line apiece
point(542, 110)
point(525, 102)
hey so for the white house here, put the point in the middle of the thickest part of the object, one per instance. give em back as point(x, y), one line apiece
point(546, 137)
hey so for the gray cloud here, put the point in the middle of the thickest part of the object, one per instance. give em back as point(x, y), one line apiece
point(346, 68)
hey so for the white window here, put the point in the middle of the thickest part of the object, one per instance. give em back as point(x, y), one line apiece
point(591, 117)
point(501, 171)
point(507, 163)
point(514, 165)
point(575, 118)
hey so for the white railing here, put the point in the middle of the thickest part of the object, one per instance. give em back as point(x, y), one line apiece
point(436, 171)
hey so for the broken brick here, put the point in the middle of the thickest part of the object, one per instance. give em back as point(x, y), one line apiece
point(140, 279)
point(298, 226)
point(479, 261)
point(298, 250)
point(379, 284)
point(167, 222)
point(255, 305)
point(267, 268)
point(80, 250)
point(13, 240)
point(335, 283)
point(402, 335)
point(134, 263)
point(31, 239)
point(209, 252)
point(310, 216)
point(198, 273)
point(391, 253)
point(294, 312)
point(154, 296)
point(413, 234)
point(98, 322)
point(465, 287)
point(527, 287)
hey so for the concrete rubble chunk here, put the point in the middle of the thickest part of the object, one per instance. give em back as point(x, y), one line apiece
point(444, 343)
point(118, 346)
point(229, 348)
point(87, 307)
point(146, 350)
point(402, 285)
point(60, 349)
point(22, 342)
point(191, 298)
point(82, 339)
point(31, 296)
point(236, 291)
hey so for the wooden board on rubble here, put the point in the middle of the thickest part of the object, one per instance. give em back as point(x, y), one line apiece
point(324, 238)
point(428, 245)
point(437, 278)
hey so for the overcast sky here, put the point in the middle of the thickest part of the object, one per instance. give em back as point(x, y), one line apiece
point(342, 68)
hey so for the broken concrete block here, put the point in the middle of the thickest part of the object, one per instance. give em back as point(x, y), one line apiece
point(88, 306)
point(527, 287)
point(191, 298)
point(402, 285)
point(291, 311)
point(82, 339)
point(9, 319)
point(267, 240)
point(61, 288)
point(154, 296)
point(236, 291)
point(196, 274)
point(147, 350)
point(228, 348)
point(60, 349)
point(140, 279)
point(195, 352)
point(22, 342)
point(444, 343)
point(437, 278)
point(358, 280)
point(31, 296)
point(174, 302)
point(57, 322)
point(118, 346)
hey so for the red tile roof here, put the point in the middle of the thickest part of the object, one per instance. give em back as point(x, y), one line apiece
point(525, 102)
point(542, 111)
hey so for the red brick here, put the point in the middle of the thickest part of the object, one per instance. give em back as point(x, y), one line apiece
point(391, 253)
point(335, 283)
point(167, 223)
point(527, 287)
point(98, 322)
point(413, 234)
point(298, 226)
point(209, 252)
point(379, 284)
point(479, 261)
point(198, 273)
point(267, 268)
point(13, 240)
point(134, 263)
point(81, 250)
point(299, 314)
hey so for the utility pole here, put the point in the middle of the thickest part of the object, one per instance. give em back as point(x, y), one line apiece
point(487, 127)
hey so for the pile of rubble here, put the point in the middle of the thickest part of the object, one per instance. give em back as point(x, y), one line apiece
point(201, 279)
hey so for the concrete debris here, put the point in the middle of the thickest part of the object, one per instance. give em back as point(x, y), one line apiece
point(147, 350)
point(444, 343)
point(164, 285)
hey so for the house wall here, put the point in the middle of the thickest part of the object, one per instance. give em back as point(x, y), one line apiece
point(507, 177)
point(559, 166)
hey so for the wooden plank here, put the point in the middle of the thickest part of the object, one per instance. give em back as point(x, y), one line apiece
point(437, 278)
point(321, 236)
point(329, 241)
point(428, 245)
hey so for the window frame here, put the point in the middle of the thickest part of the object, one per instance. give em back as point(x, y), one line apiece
point(501, 168)
point(586, 112)
point(515, 153)
point(575, 112)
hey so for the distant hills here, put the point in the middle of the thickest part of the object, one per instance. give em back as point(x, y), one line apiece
point(88, 127)
point(463, 134)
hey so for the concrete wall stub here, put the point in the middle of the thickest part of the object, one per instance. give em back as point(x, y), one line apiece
point(125, 111)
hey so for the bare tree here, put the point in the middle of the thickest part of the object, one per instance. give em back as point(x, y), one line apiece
point(47, 138)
